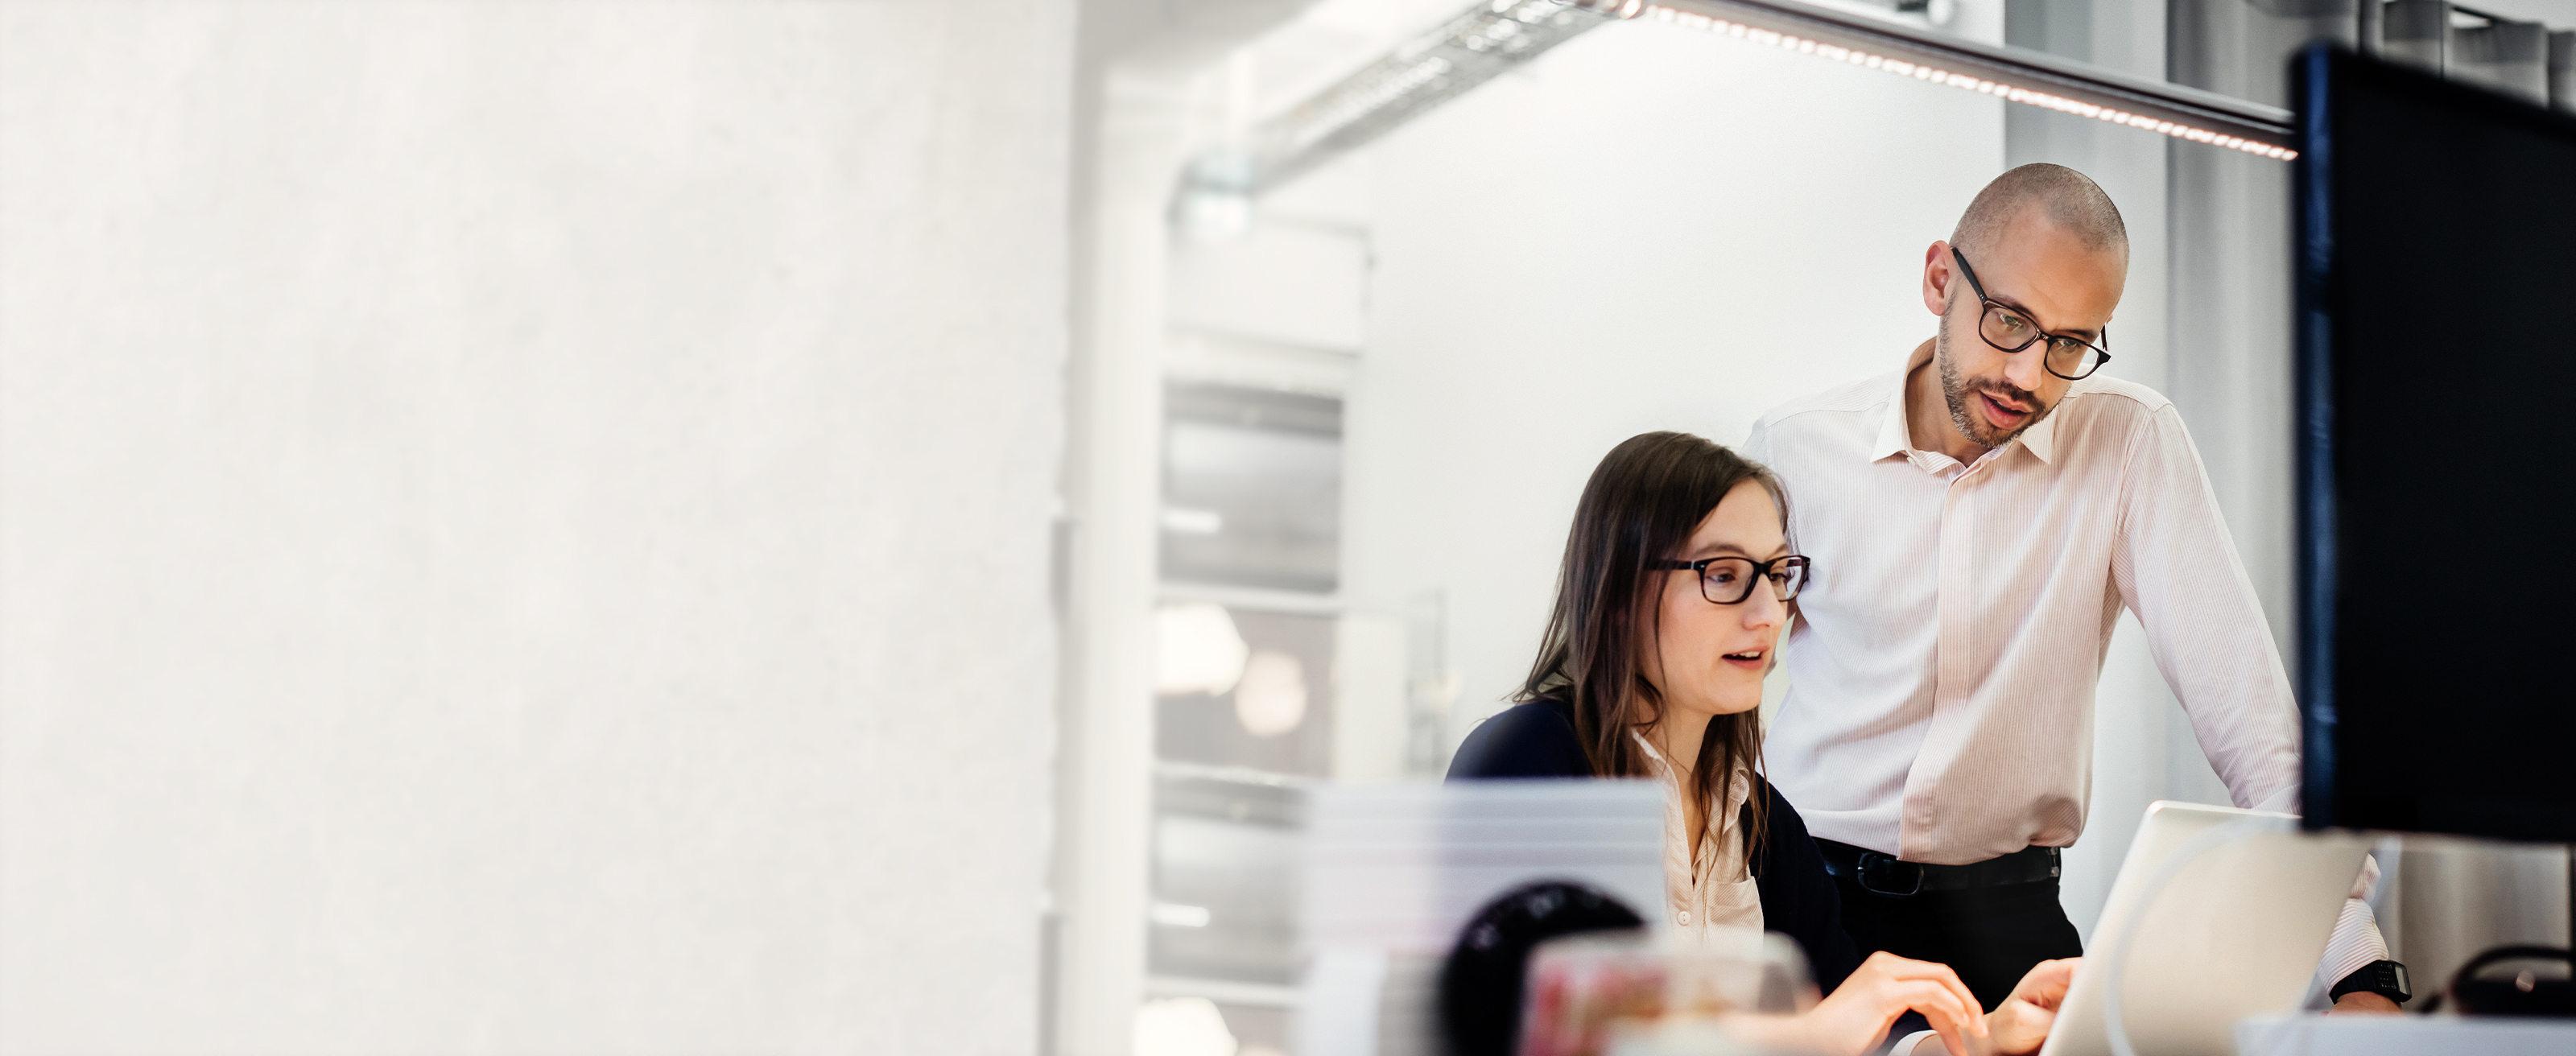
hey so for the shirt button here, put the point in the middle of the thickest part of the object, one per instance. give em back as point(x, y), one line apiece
point(1685, 916)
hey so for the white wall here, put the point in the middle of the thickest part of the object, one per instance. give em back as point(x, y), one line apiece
point(1651, 228)
point(523, 526)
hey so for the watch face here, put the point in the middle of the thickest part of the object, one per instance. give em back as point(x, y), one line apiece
point(2405, 986)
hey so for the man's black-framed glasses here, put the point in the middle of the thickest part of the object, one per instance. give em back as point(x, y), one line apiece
point(2007, 328)
point(1729, 580)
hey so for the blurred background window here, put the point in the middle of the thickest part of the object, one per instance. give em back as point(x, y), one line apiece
point(1252, 488)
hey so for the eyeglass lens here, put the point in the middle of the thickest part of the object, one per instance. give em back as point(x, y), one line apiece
point(2011, 331)
point(1728, 580)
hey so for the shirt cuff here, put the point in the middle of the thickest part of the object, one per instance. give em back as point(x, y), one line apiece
point(2356, 943)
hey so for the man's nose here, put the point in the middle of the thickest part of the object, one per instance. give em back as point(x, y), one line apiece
point(2028, 368)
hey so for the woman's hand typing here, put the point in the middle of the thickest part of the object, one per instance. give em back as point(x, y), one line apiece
point(1855, 1017)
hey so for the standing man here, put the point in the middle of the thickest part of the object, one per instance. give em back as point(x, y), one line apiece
point(1978, 520)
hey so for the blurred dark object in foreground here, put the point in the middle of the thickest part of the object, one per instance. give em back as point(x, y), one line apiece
point(1480, 986)
point(2516, 981)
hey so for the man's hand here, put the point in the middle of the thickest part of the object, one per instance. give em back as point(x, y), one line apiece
point(2021, 1023)
point(2364, 1003)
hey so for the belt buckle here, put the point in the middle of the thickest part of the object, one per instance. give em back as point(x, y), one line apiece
point(1877, 872)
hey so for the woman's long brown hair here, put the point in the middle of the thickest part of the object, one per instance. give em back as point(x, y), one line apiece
point(1642, 504)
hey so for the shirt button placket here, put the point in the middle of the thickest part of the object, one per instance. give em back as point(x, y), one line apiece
point(1954, 608)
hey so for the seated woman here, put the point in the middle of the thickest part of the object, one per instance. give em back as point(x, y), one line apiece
point(1676, 583)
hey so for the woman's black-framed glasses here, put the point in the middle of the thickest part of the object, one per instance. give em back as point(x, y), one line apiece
point(1729, 580)
point(2006, 328)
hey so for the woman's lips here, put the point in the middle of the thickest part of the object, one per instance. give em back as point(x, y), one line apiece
point(1749, 663)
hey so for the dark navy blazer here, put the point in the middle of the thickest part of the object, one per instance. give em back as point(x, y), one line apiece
point(1798, 899)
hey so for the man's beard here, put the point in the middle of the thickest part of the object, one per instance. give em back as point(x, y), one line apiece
point(1955, 390)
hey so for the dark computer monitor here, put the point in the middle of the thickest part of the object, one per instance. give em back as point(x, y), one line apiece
point(2436, 260)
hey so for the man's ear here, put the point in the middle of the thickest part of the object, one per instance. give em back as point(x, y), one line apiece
point(1937, 276)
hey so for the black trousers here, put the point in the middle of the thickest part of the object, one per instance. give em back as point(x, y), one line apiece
point(1991, 936)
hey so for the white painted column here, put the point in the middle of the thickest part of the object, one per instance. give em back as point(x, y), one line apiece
point(1105, 787)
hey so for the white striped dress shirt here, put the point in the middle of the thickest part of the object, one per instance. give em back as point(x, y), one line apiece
point(1942, 667)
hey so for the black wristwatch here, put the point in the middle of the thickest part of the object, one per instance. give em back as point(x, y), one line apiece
point(2385, 978)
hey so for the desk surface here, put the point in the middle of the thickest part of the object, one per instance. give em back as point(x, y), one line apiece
point(2309, 1034)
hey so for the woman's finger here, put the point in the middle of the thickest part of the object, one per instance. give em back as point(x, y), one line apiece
point(1950, 1038)
point(1942, 976)
point(1938, 1005)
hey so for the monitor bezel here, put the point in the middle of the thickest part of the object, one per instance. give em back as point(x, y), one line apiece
point(2314, 73)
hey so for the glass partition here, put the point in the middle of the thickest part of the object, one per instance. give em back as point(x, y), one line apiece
point(1387, 374)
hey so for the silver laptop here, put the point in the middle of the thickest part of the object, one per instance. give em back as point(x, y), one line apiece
point(2241, 906)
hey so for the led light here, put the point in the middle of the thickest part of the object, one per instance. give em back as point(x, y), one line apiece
point(1364, 103)
point(1902, 68)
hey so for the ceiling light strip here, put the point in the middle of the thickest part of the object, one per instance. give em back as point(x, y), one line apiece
point(2014, 74)
point(1936, 75)
point(1471, 48)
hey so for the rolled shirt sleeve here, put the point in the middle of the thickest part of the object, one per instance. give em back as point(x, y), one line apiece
point(2356, 940)
point(2175, 565)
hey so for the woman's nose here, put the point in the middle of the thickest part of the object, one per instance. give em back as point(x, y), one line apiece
point(1764, 608)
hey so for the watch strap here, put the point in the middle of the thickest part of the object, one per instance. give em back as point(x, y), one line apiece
point(2386, 978)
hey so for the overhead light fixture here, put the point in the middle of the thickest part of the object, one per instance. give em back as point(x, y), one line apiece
point(2020, 75)
point(1216, 191)
point(1473, 47)
point(1937, 75)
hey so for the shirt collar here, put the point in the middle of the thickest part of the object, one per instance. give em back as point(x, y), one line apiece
point(2041, 437)
point(1892, 436)
point(1739, 786)
point(1895, 437)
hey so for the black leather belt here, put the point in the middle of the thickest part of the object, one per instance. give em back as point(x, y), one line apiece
point(1881, 874)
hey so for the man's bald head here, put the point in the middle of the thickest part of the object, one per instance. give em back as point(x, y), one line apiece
point(2070, 201)
point(2053, 256)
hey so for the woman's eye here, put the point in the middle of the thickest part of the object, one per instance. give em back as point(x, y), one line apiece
point(1721, 578)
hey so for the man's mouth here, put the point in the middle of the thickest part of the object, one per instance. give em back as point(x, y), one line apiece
point(2003, 414)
